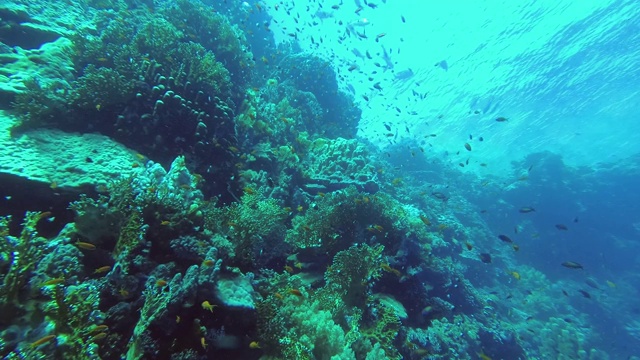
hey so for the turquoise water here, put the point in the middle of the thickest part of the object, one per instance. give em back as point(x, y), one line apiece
point(563, 72)
point(186, 179)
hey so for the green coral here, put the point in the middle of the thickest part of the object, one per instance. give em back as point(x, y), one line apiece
point(112, 65)
point(317, 228)
point(73, 310)
point(156, 38)
point(254, 220)
point(215, 33)
point(384, 330)
point(454, 338)
point(20, 256)
point(302, 329)
point(148, 200)
point(357, 215)
point(199, 66)
point(100, 87)
point(353, 272)
point(327, 322)
point(561, 340)
point(41, 102)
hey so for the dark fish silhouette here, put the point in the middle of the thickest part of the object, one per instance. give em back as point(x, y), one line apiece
point(592, 282)
point(585, 294)
point(505, 238)
point(572, 265)
point(443, 64)
point(485, 258)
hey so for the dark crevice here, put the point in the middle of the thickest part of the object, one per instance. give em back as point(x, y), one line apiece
point(18, 29)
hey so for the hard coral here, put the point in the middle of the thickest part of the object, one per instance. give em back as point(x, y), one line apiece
point(255, 226)
point(353, 272)
point(215, 33)
point(20, 256)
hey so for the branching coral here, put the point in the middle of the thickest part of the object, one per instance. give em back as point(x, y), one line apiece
point(384, 330)
point(215, 33)
point(561, 340)
point(327, 322)
point(153, 197)
point(141, 81)
point(41, 102)
point(337, 218)
point(448, 339)
point(161, 303)
point(253, 223)
point(352, 272)
point(318, 227)
point(199, 66)
point(304, 330)
point(101, 87)
point(19, 256)
point(72, 308)
point(74, 311)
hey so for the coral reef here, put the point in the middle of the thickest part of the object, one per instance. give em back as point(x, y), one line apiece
point(315, 75)
point(225, 208)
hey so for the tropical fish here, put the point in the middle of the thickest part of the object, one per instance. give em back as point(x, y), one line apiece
point(443, 64)
point(295, 292)
point(585, 294)
point(427, 310)
point(85, 245)
point(485, 258)
point(99, 336)
point(425, 220)
point(572, 265)
point(592, 282)
point(561, 227)
point(102, 269)
point(42, 341)
point(54, 281)
point(440, 196)
point(501, 119)
point(483, 356)
point(206, 305)
point(505, 238)
point(388, 268)
point(526, 209)
point(467, 146)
